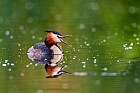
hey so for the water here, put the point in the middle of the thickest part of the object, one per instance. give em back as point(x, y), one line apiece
point(103, 55)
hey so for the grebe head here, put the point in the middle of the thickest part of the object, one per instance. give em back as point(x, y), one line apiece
point(53, 37)
point(55, 71)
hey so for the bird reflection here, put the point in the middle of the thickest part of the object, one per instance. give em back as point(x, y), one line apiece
point(49, 53)
point(54, 71)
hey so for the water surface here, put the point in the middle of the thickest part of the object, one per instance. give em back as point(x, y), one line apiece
point(104, 52)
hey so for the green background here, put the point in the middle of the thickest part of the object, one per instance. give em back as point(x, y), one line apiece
point(104, 52)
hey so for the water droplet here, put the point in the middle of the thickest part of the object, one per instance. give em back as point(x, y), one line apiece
point(6, 61)
point(84, 66)
point(127, 47)
point(29, 6)
point(95, 60)
point(124, 74)
point(40, 91)
point(73, 58)
point(12, 64)
point(19, 56)
point(11, 77)
point(131, 44)
point(11, 37)
point(82, 26)
point(9, 69)
point(87, 44)
point(30, 19)
point(19, 45)
point(134, 25)
point(94, 6)
point(0, 40)
point(36, 64)
point(7, 33)
point(124, 45)
point(83, 62)
point(130, 48)
point(40, 38)
point(132, 9)
point(104, 40)
point(134, 35)
point(76, 39)
point(118, 60)
point(27, 65)
point(95, 65)
point(4, 65)
point(105, 69)
point(33, 37)
point(93, 29)
point(137, 39)
point(136, 80)
point(116, 33)
point(21, 27)
point(22, 74)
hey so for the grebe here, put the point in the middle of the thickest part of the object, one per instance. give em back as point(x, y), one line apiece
point(49, 53)
point(55, 71)
point(42, 52)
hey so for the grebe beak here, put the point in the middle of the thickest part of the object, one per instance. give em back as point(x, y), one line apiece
point(65, 36)
point(64, 72)
point(63, 40)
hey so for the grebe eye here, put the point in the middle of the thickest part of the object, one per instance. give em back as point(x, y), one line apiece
point(59, 36)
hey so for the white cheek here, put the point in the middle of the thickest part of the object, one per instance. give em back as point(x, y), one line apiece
point(56, 38)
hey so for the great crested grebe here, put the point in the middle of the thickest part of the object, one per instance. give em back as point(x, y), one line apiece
point(43, 51)
point(49, 53)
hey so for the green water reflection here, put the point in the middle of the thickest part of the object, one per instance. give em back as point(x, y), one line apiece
point(105, 41)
